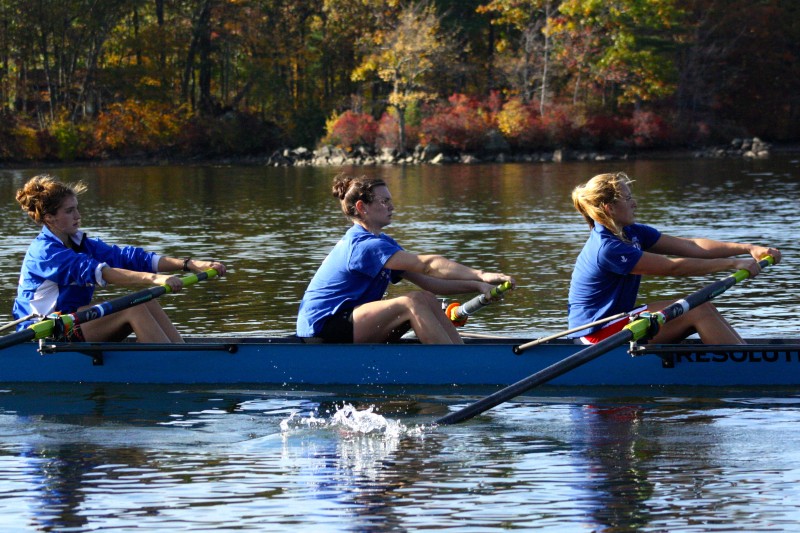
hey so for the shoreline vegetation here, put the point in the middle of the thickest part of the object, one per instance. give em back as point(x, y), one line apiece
point(397, 83)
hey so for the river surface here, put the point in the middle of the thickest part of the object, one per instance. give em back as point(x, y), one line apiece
point(121, 458)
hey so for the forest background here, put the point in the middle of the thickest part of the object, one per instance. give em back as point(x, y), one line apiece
point(100, 79)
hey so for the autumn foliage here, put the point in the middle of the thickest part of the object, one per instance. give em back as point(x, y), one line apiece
point(218, 79)
point(131, 127)
point(388, 131)
point(350, 129)
point(462, 124)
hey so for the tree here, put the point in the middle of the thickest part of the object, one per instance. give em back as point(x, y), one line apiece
point(625, 45)
point(7, 17)
point(725, 81)
point(526, 46)
point(67, 44)
point(406, 57)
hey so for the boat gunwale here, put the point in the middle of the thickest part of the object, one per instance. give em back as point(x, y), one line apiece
point(225, 343)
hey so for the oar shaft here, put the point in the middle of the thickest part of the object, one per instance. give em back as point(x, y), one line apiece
point(140, 297)
point(27, 334)
point(709, 292)
point(543, 376)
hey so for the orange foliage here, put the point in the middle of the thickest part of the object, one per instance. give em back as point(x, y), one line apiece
point(130, 127)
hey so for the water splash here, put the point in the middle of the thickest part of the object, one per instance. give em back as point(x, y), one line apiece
point(352, 422)
point(366, 422)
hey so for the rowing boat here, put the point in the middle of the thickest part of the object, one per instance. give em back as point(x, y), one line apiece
point(623, 359)
point(290, 362)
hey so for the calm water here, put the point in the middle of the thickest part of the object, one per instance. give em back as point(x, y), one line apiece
point(117, 458)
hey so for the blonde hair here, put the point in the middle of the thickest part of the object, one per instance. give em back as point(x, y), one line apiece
point(348, 190)
point(43, 195)
point(591, 198)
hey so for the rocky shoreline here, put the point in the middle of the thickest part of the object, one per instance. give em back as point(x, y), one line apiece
point(326, 155)
point(331, 156)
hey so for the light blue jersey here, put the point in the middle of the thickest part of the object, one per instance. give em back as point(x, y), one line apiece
point(55, 277)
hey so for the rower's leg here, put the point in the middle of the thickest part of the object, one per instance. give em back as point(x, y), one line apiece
point(705, 320)
point(374, 321)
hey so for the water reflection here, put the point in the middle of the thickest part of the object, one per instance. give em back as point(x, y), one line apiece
point(618, 466)
point(124, 457)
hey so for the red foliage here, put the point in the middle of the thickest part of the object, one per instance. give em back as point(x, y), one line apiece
point(604, 130)
point(494, 105)
point(461, 124)
point(559, 126)
point(649, 130)
point(351, 129)
point(389, 133)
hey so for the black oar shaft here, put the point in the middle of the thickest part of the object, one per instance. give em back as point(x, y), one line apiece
point(539, 378)
point(19, 337)
point(140, 297)
point(707, 293)
point(641, 328)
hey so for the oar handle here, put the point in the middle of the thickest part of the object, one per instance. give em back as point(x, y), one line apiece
point(458, 313)
point(46, 327)
point(648, 324)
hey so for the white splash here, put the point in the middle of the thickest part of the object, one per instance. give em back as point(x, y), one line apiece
point(366, 422)
point(349, 420)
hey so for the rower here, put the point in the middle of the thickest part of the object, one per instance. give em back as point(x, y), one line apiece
point(344, 302)
point(63, 265)
point(607, 273)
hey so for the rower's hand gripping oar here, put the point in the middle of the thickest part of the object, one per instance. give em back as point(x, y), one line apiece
point(459, 313)
point(53, 323)
point(641, 328)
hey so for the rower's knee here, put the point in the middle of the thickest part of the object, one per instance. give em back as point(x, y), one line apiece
point(423, 299)
point(705, 310)
point(419, 306)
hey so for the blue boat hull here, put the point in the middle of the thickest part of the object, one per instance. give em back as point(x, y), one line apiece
point(287, 362)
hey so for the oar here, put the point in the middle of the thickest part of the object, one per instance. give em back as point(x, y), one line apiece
point(522, 347)
point(644, 327)
point(45, 328)
point(459, 313)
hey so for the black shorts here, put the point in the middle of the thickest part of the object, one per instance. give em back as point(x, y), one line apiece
point(338, 328)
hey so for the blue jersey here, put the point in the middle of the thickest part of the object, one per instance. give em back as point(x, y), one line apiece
point(353, 274)
point(55, 277)
point(602, 284)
